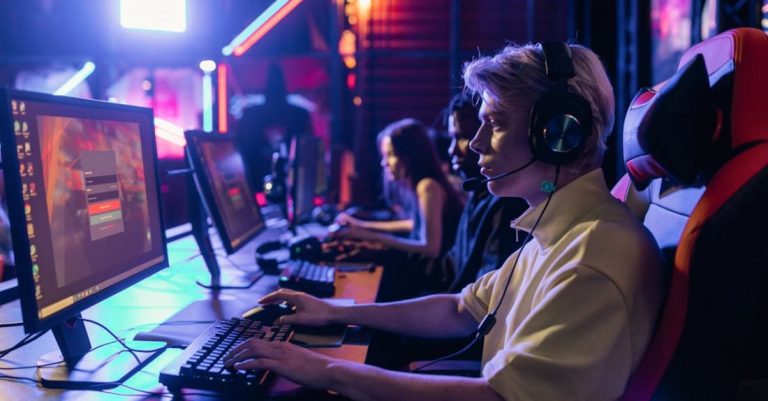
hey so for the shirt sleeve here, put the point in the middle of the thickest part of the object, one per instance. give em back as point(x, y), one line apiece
point(574, 345)
point(477, 296)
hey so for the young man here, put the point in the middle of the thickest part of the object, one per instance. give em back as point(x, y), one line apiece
point(575, 307)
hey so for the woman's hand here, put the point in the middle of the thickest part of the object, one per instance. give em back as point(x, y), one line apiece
point(310, 311)
point(356, 233)
point(344, 219)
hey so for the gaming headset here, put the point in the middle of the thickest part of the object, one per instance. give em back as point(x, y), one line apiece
point(300, 247)
point(560, 121)
point(268, 263)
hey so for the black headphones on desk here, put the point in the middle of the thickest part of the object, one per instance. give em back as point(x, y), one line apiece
point(560, 120)
point(301, 247)
point(269, 265)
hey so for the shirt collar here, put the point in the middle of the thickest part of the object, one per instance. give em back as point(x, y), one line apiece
point(568, 206)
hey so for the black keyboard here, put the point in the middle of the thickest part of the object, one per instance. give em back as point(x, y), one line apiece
point(201, 365)
point(308, 277)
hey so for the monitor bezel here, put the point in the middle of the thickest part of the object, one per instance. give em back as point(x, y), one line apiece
point(204, 188)
point(15, 202)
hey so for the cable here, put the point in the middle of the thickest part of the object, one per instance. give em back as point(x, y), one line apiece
point(3, 376)
point(120, 340)
point(99, 388)
point(489, 320)
point(45, 365)
point(525, 241)
point(29, 338)
point(133, 351)
point(13, 324)
point(176, 323)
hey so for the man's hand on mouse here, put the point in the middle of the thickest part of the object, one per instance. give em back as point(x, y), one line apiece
point(310, 311)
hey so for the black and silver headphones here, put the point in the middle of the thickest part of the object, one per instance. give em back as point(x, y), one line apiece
point(560, 121)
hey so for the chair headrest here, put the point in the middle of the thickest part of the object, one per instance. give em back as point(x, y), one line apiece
point(686, 127)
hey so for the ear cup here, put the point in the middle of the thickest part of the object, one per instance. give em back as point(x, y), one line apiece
point(560, 124)
point(561, 121)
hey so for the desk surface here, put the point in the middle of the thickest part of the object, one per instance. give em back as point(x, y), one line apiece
point(150, 302)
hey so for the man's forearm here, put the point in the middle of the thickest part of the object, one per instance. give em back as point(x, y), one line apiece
point(368, 383)
point(435, 316)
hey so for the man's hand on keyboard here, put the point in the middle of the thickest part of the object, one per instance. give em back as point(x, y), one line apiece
point(298, 364)
point(310, 311)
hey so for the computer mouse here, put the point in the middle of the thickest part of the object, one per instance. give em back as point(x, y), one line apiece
point(269, 313)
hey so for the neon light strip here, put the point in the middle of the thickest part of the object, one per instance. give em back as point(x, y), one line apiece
point(169, 132)
point(76, 79)
point(221, 83)
point(207, 103)
point(259, 27)
point(168, 137)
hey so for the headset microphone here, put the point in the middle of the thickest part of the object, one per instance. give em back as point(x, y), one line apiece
point(473, 184)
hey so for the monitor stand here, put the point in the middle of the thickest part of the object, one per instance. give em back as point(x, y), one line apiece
point(199, 220)
point(78, 366)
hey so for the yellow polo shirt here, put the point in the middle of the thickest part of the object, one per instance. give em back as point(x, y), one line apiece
point(582, 303)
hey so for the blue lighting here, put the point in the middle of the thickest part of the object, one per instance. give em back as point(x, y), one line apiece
point(155, 15)
point(253, 26)
point(76, 79)
point(207, 103)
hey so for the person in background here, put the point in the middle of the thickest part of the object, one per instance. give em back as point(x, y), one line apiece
point(438, 133)
point(574, 309)
point(484, 239)
point(410, 163)
point(269, 127)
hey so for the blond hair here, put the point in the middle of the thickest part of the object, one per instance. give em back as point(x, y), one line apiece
point(515, 77)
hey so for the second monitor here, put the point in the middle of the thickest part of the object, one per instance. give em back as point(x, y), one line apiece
point(220, 179)
point(307, 178)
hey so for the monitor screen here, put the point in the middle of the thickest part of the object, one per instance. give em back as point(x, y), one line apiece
point(83, 202)
point(222, 182)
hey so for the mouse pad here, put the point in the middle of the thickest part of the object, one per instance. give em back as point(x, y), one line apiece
point(186, 325)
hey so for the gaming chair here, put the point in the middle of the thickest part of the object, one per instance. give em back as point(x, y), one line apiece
point(696, 152)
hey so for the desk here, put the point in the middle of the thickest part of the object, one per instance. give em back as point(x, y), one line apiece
point(149, 303)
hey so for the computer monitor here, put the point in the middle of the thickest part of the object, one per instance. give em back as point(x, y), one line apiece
point(307, 175)
point(83, 203)
point(219, 189)
point(221, 181)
